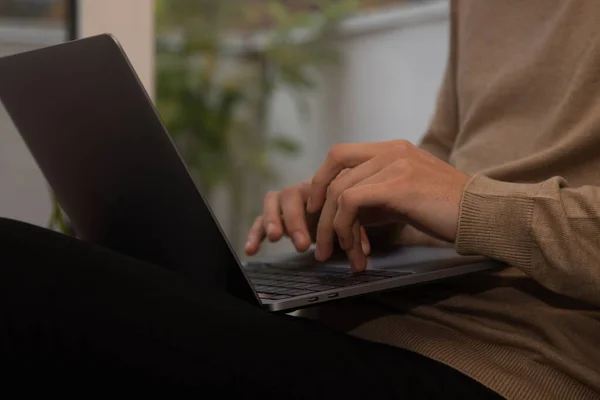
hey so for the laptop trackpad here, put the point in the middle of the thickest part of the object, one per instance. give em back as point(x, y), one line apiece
point(414, 259)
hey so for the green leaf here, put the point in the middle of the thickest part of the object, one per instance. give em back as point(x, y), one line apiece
point(283, 144)
point(278, 11)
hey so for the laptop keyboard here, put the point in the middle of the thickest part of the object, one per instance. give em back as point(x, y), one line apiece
point(277, 282)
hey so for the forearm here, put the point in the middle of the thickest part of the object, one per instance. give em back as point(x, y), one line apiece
point(548, 230)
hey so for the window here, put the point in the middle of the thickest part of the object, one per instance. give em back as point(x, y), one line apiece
point(41, 10)
point(28, 24)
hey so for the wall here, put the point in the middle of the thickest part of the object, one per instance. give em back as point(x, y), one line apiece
point(131, 22)
point(391, 78)
point(393, 66)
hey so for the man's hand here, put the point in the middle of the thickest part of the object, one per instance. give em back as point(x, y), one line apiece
point(284, 214)
point(386, 182)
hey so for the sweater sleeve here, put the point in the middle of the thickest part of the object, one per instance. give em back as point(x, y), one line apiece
point(548, 230)
point(443, 127)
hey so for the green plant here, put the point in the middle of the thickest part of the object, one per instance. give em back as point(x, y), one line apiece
point(214, 92)
point(58, 219)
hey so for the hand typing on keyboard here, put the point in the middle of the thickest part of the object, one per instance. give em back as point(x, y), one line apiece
point(364, 185)
point(285, 214)
point(387, 182)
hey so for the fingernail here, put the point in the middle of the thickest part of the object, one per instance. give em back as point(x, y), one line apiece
point(366, 248)
point(309, 204)
point(271, 228)
point(318, 252)
point(356, 261)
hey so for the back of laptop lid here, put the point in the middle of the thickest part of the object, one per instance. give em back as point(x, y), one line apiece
point(97, 138)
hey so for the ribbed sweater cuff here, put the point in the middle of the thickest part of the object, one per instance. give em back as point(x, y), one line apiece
point(495, 220)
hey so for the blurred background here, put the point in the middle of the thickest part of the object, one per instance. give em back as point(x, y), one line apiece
point(254, 92)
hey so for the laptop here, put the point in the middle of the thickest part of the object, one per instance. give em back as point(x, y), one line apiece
point(95, 134)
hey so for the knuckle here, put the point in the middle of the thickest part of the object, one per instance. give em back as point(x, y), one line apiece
point(267, 220)
point(316, 180)
point(294, 219)
point(305, 186)
point(402, 146)
point(337, 226)
point(272, 194)
point(346, 200)
point(257, 229)
point(288, 191)
point(336, 152)
point(334, 190)
point(403, 168)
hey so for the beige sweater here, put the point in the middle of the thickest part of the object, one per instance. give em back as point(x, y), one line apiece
point(520, 110)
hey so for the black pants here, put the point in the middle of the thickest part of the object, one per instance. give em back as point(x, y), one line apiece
point(73, 315)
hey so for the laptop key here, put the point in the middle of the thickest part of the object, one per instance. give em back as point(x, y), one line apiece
point(265, 282)
point(292, 278)
point(268, 289)
point(306, 279)
point(296, 285)
point(279, 283)
point(291, 285)
point(276, 290)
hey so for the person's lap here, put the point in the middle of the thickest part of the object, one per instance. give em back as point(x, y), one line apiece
point(72, 312)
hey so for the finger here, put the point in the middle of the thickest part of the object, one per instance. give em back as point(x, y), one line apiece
point(356, 256)
point(272, 217)
point(304, 187)
point(369, 193)
point(294, 218)
point(352, 200)
point(325, 230)
point(339, 158)
point(343, 172)
point(255, 237)
point(366, 244)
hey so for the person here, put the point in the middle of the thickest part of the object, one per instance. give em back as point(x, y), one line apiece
point(517, 118)
point(507, 169)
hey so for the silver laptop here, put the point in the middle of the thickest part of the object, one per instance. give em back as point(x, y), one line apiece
point(101, 145)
